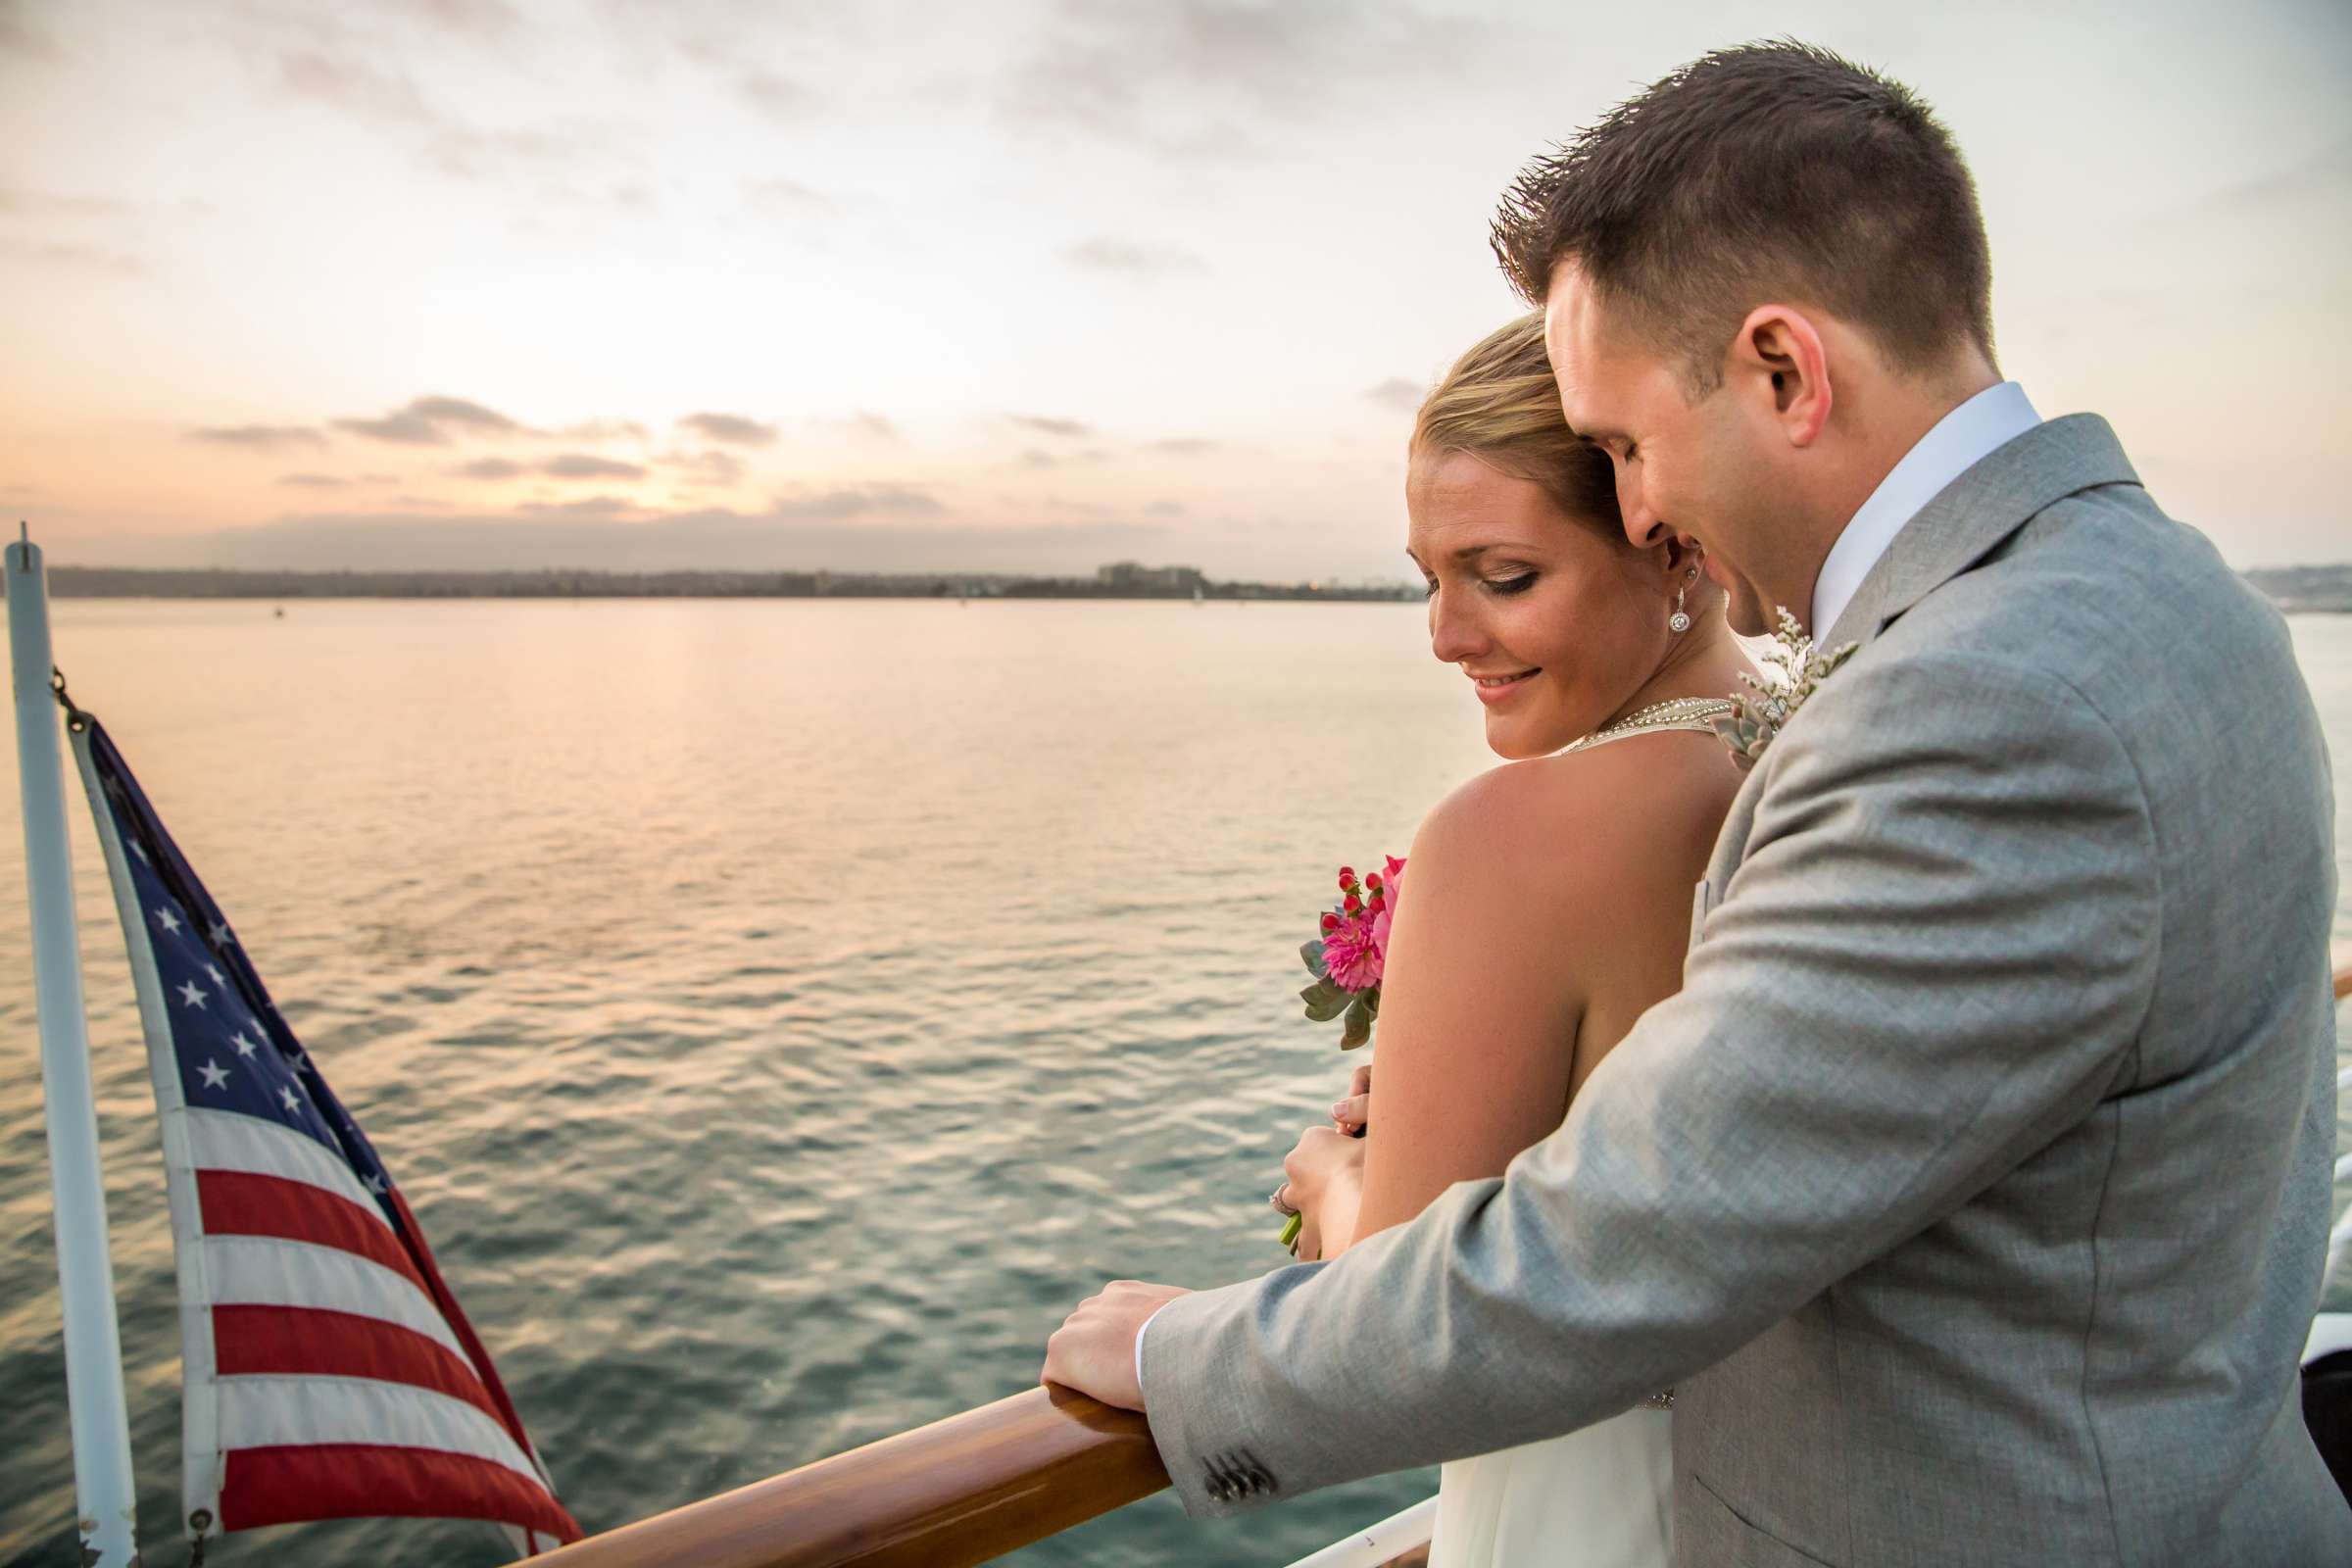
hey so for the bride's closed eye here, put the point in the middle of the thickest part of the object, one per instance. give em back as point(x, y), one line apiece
point(1512, 585)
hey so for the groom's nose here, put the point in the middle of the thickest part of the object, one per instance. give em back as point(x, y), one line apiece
point(1643, 526)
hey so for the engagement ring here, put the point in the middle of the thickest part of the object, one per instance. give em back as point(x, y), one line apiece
point(1276, 1200)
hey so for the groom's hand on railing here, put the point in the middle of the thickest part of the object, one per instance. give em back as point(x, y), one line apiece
point(1094, 1349)
point(1352, 1114)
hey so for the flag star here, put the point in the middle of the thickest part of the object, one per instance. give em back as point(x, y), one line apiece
point(190, 994)
point(113, 786)
point(287, 1095)
point(219, 932)
point(140, 850)
point(374, 1184)
point(243, 1045)
point(167, 919)
point(216, 1076)
point(218, 978)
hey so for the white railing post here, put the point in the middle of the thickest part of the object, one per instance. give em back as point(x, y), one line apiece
point(105, 1500)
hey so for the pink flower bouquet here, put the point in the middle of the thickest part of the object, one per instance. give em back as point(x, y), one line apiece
point(1348, 960)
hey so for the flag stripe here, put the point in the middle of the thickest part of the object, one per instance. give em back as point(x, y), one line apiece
point(255, 1341)
point(264, 1271)
point(240, 1204)
point(229, 1140)
point(267, 1412)
point(350, 1480)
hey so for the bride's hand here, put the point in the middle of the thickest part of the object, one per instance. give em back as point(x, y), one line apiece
point(1351, 1113)
point(1323, 1162)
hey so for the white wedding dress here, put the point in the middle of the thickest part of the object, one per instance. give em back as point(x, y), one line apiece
point(1598, 1498)
point(1601, 1498)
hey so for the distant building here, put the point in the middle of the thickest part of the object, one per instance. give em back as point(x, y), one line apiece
point(1129, 577)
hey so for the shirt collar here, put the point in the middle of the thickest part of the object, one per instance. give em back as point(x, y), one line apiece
point(1956, 443)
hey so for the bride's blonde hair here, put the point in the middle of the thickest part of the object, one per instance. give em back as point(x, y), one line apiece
point(1501, 405)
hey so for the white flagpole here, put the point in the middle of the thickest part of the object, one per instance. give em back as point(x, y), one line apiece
point(105, 1500)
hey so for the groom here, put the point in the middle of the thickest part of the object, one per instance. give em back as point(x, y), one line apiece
point(1973, 1190)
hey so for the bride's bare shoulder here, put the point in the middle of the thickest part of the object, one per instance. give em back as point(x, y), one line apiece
point(1560, 822)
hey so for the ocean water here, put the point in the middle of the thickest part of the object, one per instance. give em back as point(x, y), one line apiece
point(779, 1014)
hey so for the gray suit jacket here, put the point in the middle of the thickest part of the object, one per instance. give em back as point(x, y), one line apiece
point(1973, 1189)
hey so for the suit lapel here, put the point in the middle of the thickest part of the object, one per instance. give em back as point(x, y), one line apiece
point(1970, 517)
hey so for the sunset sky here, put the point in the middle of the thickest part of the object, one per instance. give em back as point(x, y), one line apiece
point(474, 283)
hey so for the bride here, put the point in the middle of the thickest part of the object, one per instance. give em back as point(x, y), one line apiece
point(1549, 899)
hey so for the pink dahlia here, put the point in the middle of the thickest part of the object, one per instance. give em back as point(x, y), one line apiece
point(1354, 954)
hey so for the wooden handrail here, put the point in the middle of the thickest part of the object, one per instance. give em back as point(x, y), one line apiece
point(959, 1491)
point(2343, 970)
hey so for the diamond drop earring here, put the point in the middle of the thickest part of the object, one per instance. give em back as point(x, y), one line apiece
point(1679, 621)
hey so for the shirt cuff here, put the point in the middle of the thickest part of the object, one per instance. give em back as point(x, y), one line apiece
point(1139, 1346)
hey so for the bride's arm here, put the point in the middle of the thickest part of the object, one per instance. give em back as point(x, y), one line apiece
point(1481, 998)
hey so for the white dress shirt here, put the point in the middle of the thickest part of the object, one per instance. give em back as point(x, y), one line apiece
point(1972, 431)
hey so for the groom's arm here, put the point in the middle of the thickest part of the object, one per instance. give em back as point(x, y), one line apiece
point(1933, 959)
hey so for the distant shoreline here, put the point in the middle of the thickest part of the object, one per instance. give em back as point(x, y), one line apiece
point(2320, 590)
point(133, 582)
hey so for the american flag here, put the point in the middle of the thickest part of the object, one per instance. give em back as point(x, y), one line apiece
point(328, 1372)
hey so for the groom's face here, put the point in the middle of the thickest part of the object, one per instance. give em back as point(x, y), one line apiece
point(1682, 467)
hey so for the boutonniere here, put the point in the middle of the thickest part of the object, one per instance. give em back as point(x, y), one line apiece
point(1792, 672)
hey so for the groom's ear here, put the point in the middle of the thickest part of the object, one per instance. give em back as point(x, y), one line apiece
point(1778, 363)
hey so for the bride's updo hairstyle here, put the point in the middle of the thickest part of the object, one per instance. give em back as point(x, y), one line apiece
point(1501, 405)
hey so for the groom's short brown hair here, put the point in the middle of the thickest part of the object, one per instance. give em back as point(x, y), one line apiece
point(1770, 172)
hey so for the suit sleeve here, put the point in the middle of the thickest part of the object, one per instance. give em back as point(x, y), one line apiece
point(1934, 957)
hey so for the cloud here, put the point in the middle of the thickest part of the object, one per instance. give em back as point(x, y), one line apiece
point(580, 465)
point(539, 160)
point(62, 254)
point(1039, 458)
point(597, 430)
point(1186, 76)
point(589, 507)
point(1165, 509)
point(734, 429)
point(834, 506)
point(427, 422)
point(1398, 393)
point(708, 467)
point(312, 482)
point(42, 204)
point(355, 88)
point(1188, 446)
point(480, 16)
point(1046, 424)
point(459, 412)
point(775, 95)
point(260, 437)
point(869, 426)
point(489, 468)
point(19, 36)
point(2326, 173)
point(1125, 259)
point(778, 197)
